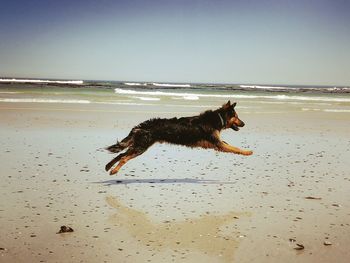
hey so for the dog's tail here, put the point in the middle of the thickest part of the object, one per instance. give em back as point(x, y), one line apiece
point(120, 146)
point(115, 148)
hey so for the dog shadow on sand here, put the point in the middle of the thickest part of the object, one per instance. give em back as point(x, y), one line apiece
point(162, 181)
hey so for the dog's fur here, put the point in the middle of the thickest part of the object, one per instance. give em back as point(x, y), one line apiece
point(197, 131)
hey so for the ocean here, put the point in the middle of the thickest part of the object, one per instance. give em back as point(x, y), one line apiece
point(143, 95)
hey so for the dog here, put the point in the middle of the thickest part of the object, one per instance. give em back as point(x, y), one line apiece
point(197, 131)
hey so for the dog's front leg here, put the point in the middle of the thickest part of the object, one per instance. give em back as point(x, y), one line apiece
point(225, 147)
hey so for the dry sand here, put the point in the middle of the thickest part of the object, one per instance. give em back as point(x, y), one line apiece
point(172, 204)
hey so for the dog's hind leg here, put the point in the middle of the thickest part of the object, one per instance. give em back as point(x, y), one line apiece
point(114, 160)
point(130, 154)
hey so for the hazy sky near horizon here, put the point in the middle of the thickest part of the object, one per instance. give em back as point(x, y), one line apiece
point(221, 41)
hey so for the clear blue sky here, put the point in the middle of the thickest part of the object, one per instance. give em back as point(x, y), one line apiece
point(221, 41)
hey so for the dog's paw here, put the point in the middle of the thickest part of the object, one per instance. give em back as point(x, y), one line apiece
point(113, 172)
point(247, 153)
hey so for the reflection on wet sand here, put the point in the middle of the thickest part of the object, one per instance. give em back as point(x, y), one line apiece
point(202, 235)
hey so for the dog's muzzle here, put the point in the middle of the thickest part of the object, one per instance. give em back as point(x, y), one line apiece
point(235, 127)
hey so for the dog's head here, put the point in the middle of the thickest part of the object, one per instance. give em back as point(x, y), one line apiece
point(230, 116)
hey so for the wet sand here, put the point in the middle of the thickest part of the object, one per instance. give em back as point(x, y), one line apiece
point(172, 204)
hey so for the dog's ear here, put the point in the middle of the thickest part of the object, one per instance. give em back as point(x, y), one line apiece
point(226, 105)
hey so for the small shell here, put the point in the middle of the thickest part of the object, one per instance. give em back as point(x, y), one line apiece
point(327, 243)
point(299, 247)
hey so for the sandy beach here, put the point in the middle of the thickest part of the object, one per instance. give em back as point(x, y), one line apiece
point(173, 204)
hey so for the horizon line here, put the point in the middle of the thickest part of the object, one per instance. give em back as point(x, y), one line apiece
point(170, 82)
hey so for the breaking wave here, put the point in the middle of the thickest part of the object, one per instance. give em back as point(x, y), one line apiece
point(171, 85)
point(263, 87)
point(44, 81)
point(26, 100)
point(327, 110)
point(134, 84)
point(296, 88)
point(147, 98)
point(155, 84)
point(9, 92)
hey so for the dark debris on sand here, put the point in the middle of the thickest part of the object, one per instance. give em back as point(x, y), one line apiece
point(65, 229)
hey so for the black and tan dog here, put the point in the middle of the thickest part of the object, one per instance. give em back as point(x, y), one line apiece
point(197, 131)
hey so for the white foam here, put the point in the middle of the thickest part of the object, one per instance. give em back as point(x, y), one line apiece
point(124, 103)
point(31, 100)
point(310, 98)
point(147, 98)
point(152, 104)
point(263, 87)
point(134, 84)
point(191, 97)
point(282, 88)
point(337, 110)
point(308, 109)
point(234, 96)
point(171, 85)
point(163, 93)
point(73, 82)
point(338, 89)
point(158, 84)
point(327, 110)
